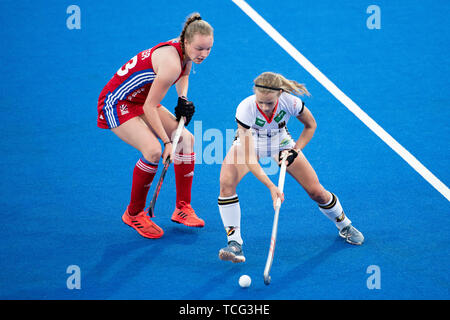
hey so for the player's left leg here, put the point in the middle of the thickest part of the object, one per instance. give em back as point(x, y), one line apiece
point(302, 171)
point(184, 165)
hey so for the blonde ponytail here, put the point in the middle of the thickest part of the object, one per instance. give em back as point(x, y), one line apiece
point(274, 81)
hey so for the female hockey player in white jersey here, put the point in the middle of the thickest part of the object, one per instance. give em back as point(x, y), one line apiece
point(262, 132)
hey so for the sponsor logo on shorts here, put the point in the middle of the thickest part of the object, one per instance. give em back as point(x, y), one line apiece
point(284, 142)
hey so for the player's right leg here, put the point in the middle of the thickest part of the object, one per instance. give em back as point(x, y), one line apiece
point(231, 173)
point(136, 133)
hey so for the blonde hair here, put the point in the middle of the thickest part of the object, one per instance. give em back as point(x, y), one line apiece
point(193, 25)
point(269, 81)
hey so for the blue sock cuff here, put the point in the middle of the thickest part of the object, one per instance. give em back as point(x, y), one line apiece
point(148, 162)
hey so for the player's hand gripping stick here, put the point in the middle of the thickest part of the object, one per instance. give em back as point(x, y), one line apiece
point(184, 108)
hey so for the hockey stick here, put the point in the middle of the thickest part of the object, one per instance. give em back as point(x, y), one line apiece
point(273, 238)
point(151, 208)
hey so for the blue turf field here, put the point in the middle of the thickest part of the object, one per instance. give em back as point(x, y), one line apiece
point(65, 183)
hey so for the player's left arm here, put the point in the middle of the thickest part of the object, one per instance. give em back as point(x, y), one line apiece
point(184, 108)
point(310, 125)
point(183, 83)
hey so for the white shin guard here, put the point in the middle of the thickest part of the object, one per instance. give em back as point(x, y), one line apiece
point(230, 212)
point(333, 211)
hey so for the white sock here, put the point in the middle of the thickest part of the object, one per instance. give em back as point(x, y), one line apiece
point(230, 212)
point(333, 211)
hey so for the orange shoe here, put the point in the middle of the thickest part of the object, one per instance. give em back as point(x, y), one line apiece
point(186, 215)
point(143, 225)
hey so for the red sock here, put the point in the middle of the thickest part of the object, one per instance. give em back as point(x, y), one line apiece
point(184, 174)
point(143, 175)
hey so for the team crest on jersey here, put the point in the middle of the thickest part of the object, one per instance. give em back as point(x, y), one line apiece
point(260, 122)
point(280, 116)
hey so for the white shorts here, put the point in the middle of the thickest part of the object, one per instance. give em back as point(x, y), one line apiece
point(270, 143)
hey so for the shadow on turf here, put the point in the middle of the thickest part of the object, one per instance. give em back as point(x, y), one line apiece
point(138, 255)
point(202, 291)
point(309, 264)
point(117, 263)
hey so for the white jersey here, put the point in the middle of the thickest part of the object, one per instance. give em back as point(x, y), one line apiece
point(270, 135)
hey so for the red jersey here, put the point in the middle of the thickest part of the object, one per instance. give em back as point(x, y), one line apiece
point(129, 87)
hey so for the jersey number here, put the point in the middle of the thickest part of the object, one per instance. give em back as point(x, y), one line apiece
point(130, 64)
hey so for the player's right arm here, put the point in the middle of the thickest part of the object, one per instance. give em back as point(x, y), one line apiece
point(248, 154)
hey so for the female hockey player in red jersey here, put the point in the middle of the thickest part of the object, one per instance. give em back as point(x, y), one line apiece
point(130, 106)
point(262, 132)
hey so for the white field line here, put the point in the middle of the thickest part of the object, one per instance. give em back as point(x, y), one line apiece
point(344, 99)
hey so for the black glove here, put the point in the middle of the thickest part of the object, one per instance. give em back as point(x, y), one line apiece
point(292, 154)
point(184, 108)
